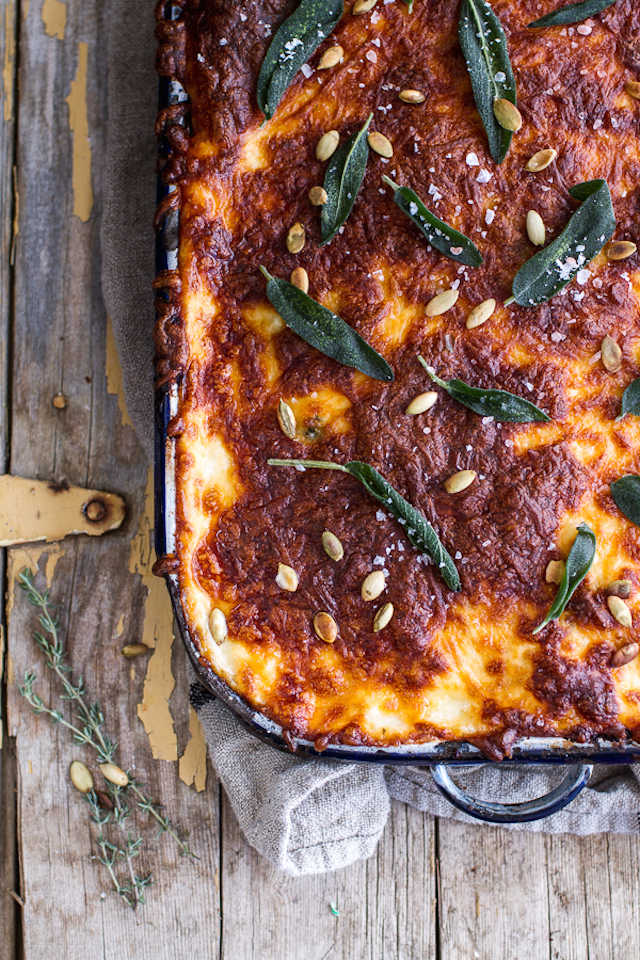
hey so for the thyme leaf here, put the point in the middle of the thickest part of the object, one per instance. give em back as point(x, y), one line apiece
point(631, 400)
point(324, 330)
point(588, 230)
point(485, 50)
point(572, 13)
point(626, 496)
point(578, 564)
point(419, 531)
point(439, 234)
point(504, 407)
point(294, 42)
point(342, 181)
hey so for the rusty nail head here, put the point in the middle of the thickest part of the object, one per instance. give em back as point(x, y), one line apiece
point(95, 511)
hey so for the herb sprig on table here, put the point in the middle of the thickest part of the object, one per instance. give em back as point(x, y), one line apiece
point(109, 806)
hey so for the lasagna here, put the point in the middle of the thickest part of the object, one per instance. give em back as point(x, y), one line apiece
point(303, 592)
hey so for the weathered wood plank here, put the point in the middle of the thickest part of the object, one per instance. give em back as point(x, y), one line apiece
point(386, 905)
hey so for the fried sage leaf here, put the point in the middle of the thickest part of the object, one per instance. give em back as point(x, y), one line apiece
point(324, 330)
point(293, 43)
point(578, 563)
point(588, 230)
point(484, 46)
point(631, 400)
point(626, 496)
point(439, 234)
point(504, 407)
point(419, 531)
point(343, 180)
point(573, 13)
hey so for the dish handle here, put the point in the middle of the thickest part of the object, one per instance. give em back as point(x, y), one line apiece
point(576, 780)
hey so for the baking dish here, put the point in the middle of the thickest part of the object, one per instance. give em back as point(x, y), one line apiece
point(438, 756)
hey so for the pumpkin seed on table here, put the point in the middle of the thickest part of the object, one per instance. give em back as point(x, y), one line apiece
point(611, 355)
point(383, 617)
point(460, 481)
point(134, 650)
point(327, 145)
point(331, 57)
point(318, 196)
point(380, 144)
point(535, 229)
point(541, 160)
point(441, 303)
point(325, 627)
point(300, 279)
point(114, 774)
point(620, 611)
point(218, 625)
point(625, 654)
point(81, 776)
point(422, 403)
point(620, 250)
point(412, 96)
point(332, 546)
point(481, 314)
point(373, 585)
point(296, 238)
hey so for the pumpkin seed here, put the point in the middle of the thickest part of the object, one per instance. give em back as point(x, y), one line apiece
point(287, 578)
point(325, 627)
point(218, 625)
point(620, 249)
point(332, 546)
point(541, 160)
point(441, 303)
point(300, 279)
point(114, 774)
point(619, 588)
point(287, 420)
point(535, 228)
point(481, 314)
point(331, 57)
point(507, 114)
point(362, 6)
point(633, 89)
point(611, 355)
point(81, 776)
point(327, 145)
point(296, 238)
point(412, 96)
point(555, 571)
point(422, 403)
point(383, 617)
point(625, 654)
point(373, 585)
point(318, 196)
point(460, 481)
point(379, 144)
point(134, 650)
point(620, 611)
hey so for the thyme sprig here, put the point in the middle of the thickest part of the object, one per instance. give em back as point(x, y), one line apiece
point(88, 730)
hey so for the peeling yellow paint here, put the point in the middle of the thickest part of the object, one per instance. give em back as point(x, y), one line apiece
point(54, 17)
point(9, 60)
point(79, 126)
point(158, 634)
point(30, 557)
point(193, 762)
point(115, 383)
point(120, 626)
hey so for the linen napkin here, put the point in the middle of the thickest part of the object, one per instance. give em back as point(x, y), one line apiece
point(306, 816)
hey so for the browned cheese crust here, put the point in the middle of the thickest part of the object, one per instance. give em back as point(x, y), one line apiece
point(448, 665)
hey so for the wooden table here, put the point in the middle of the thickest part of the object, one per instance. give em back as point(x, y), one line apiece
point(433, 889)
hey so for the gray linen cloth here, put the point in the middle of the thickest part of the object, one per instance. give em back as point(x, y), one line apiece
point(306, 816)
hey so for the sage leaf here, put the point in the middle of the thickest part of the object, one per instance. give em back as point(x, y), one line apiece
point(343, 180)
point(504, 407)
point(631, 400)
point(626, 496)
point(484, 46)
point(409, 4)
point(293, 43)
point(578, 563)
point(439, 234)
point(573, 13)
point(588, 230)
point(324, 330)
point(419, 531)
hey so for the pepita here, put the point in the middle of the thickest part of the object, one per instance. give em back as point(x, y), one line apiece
point(633, 89)
point(619, 588)
point(287, 578)
point(379, 144)
point(332, 546)
point(507, 114)
point(362, 6)
point(327, 145)
point(620, 249)
point(114, 774)
point(620, 611)
point(611, 355)
point(218, 625)
point(441, 303)
point(422, 403)
point(325, 627)
point(625, 654)
point(296, 238)
point(541, 160)
point(287, 420)
point(460, 481)
point(535, 228)
point(81, 776)
point(481, 314)
point(555, 571)
point(331, 57)
point(134, 650)
point(383, 617)
point(412, 96)
point(373, 585)
point(318, 196)
point(300, 279)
